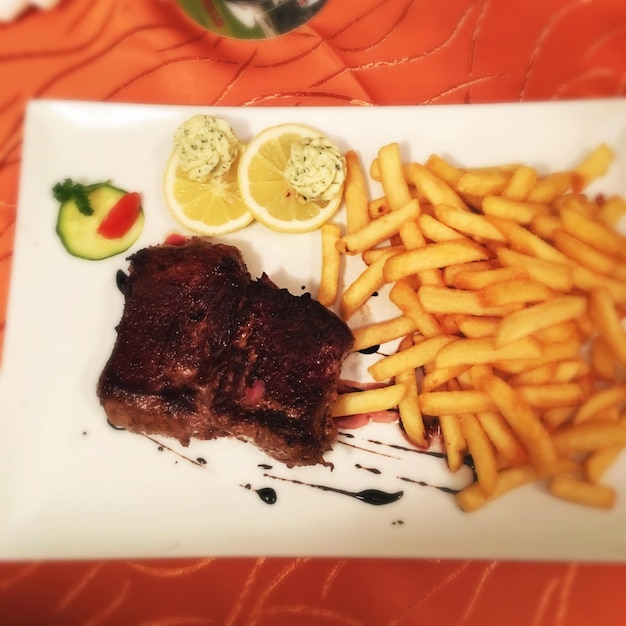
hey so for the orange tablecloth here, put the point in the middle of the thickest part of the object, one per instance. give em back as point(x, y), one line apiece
point(372, 52)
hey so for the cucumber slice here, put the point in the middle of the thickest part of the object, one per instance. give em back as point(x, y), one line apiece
point(79, 232)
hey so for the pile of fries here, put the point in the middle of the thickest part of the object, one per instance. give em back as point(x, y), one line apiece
point(510, 289)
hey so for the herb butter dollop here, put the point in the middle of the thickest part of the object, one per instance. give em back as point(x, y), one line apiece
point(206, 147)
point(316, 169)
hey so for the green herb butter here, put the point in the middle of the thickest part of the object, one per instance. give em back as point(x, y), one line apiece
point(206, 147)
point(316, 169)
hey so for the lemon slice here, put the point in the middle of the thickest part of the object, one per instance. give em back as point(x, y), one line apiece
point(213, 208)
point(265, 189)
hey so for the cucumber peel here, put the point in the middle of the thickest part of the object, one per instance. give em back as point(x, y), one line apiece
point(78, 229)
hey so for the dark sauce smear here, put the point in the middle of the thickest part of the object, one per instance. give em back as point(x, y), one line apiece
point(370, 350)
point(265, 466)
point(267, 494)
point(375, 497)
point(372, 470)
point(425, 484)
point(468, 460)
point(200, 462)
point(121, 278)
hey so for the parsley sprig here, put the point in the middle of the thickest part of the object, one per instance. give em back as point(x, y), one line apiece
point(70, 190)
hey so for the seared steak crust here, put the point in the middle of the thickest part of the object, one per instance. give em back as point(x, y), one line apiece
point(180, 306)
point(204, 351)
point(283, 365)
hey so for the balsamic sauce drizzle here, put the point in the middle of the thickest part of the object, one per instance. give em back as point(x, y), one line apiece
point(267, 494)
point(375, 497)
point(200, 462)
point(370, 350)
point(351, 445)
point(425, 484)
point(371, 470)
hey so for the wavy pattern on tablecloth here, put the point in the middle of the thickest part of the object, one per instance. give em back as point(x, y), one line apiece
point(271, 592)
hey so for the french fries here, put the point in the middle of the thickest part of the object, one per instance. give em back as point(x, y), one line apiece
point(510, 291)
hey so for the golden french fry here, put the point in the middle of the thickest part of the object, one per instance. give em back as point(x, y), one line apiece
point(331, 260)
point(521, 290)
point(588, 436)
point(450, 272)
point(559, 350)
point(471, 279)
point(521, 183)
point(373, 335)
point(555, 372)
point(584, 254)
point(553, 395)
point(433, 188)
point(524, 422)
point(602, 359)
point(378, 207)
point(474, 327)
point(582, 492)
point(553, 185)
point(392, 176)
point(503, 438)
point(406, 299)
point(472, 498)
point(371, 254)
point(408, 407)
point(586, 280)
point(436, 231)
point(606, 319)
point(555, 417)
point(355, 194)
point(360, 290)
point(443, 169)
point(483, 454)
point(482, 350)
point(482, 183)
point(432, 256)
point(600, 402)
point(466, 222)
point(612, 211)
point(526, 242)
point(455, 402)
point(368, 401)
point(436, 378)
point(453, 440)
point(555, 275)
point(592, 232)
point(514, 210)
point(597, 463)
point(545, 226)
point(411, 235)
point(416, 356)
point(595, 164)
point(378, 230)
point(539, 316)
point(442, 300)
point(563, 331)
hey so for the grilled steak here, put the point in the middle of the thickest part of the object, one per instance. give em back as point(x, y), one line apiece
point(204, 351)
point(281, 374)
point(180, 306)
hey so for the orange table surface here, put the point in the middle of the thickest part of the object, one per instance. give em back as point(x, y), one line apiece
point(372, 52)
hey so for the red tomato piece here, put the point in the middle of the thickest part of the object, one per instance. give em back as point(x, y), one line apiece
point(174, 239)
point(120, 219)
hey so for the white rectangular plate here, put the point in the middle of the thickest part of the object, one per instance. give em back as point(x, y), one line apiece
point(72, 487)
